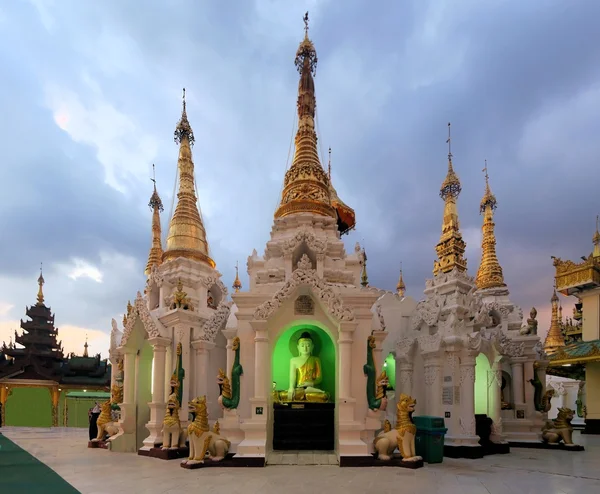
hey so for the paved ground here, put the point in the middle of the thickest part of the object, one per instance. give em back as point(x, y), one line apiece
point(524, 471)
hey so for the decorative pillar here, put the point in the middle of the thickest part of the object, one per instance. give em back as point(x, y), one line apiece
point(230, 334)
point(467, 398)
point(345, 340)
point(495, 395)
point(202, 366)
point(129, 380)
point(404, 379)
point(529, 390)
point(516, 365)
point(261, 357)
point(433, 381)
point(158, 404)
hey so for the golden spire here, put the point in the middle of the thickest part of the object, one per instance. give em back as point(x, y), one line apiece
point(451, 247)
point(489, 274)
point(401, 286)
point(346, 218)
point(187, 236)
point(237, 284)
point(554, 338)
point(156, 251)
point(85, 347)
point(306, 185)
point(40, 293)
point(596, 239)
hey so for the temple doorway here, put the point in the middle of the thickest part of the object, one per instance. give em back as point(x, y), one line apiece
point(303, 390)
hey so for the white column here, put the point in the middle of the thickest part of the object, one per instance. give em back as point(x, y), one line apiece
point(261, 356)
point(404, 378)
point(529, 390)
point(129, 378)
point(495, 395)
point(345, 340)
point(433, 381)
point(202, 367)
point(158, 404)
point(516, 365)
point(230, 334)
point(467, 398)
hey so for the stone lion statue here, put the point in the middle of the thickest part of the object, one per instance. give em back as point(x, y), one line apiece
point(173, 436)
point(201, 439)
point(106, 427)
point(559, 429)
point(402, 437)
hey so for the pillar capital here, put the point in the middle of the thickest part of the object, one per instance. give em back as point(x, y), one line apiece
point(258, 325)
point(230, 333)
point(159, 343)
point(348, 326)
point(202, 345)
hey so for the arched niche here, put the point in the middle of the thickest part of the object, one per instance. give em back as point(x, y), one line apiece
point(286, 347)
point(389, 366)
point(214, 295)
point(482, 376)
point(299, 251)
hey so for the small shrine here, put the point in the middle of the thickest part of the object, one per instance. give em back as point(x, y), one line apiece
point(34, 370)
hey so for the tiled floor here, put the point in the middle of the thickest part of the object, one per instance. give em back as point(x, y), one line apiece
point(302, 458)
point(524, 471)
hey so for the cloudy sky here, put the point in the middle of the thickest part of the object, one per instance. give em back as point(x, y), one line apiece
point(91, 92)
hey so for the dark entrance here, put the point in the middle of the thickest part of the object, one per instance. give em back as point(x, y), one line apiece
point(303, 426)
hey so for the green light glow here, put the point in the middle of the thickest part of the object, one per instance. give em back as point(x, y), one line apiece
point(286, 348)
point(389, 366)
point(482, 367)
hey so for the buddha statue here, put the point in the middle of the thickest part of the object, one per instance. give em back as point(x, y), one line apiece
point(305, 374)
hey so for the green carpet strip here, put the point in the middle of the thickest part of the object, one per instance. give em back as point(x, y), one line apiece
point(22, 473)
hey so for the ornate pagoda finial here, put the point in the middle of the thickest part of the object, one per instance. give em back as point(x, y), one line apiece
point(596, 238)
point(554, 338)
point(329, 166)
point(451, 247)
point(306, 184)
point(306, 25)
point(187, 236)
point(40, 294)
point(85, 347)
point(237, 284)
point(401, 286)
point(156, 250)
point(489, 274)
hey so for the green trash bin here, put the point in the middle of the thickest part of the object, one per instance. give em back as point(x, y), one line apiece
point(429, 442)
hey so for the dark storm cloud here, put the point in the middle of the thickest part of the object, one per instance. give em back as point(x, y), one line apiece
point(389, 79)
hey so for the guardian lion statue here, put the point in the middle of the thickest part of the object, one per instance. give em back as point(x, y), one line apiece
point(402, 437)
point(106, 426)
point(202, 440)
point(173, 436)
point(559, 429)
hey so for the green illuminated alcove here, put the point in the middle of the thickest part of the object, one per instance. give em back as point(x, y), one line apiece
point(389, 366)
point(286, 348)
point(482, 367)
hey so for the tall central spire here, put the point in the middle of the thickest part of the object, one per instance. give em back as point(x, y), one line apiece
point(306, 185)
point(451, 247)
point(40, 294)
point(489, 274)
point(187, 236)
point(596, 239)
point(156, 250)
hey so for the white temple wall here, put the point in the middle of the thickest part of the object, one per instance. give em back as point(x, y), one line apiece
point(565, 395)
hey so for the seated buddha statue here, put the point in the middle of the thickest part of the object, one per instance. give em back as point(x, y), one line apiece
point(305, 374)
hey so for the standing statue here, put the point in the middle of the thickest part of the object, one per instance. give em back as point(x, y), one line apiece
point(559, 429)
point(306, 374)
point(229, 392)
point(178, 375)
point(202, 439)
point(538, 388)
point(402, 437)
point(376, 386)
point(106, 427)
point(173, 436)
